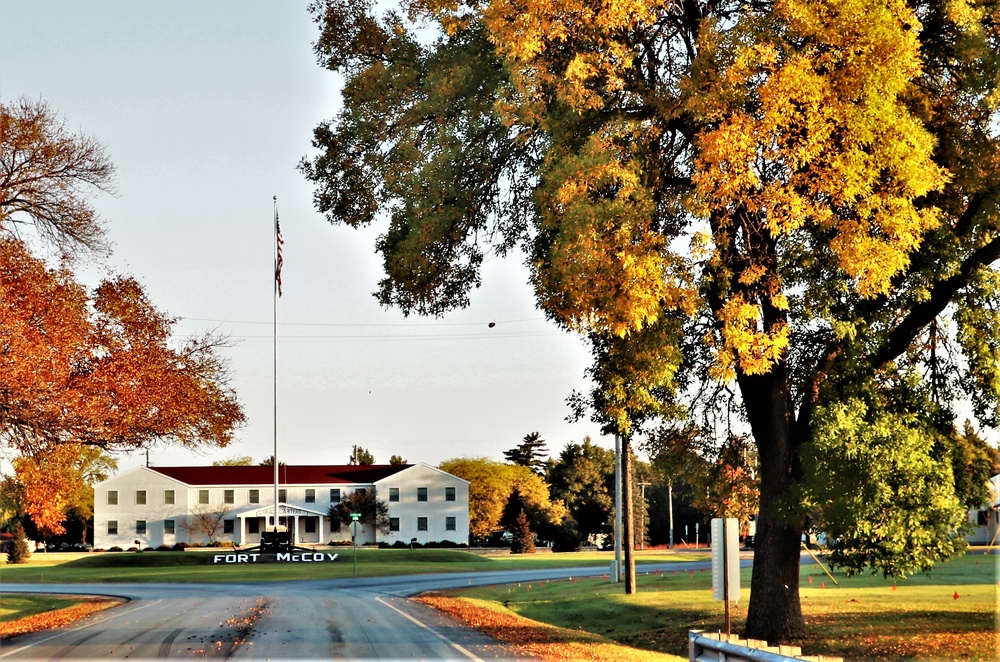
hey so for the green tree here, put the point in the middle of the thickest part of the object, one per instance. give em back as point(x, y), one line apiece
point(17, 547)
point(397, 461)
point(239, 461)
point(722, 476)
point(374, 511)
point(529, 453)
point(974, 461)
point(360, 456)
point(583, 478)
point(790, 199)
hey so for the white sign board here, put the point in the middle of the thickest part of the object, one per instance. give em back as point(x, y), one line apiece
point(355, 528)
point(726, 558)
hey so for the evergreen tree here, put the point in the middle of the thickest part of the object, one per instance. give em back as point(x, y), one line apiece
point(531, 453)
point(360, 456)
point(524, 538)
point(17, 548)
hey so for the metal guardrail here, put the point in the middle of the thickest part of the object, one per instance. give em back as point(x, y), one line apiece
point(712, 647)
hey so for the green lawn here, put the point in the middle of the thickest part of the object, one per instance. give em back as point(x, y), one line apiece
point(194, 566)
point(863, 617)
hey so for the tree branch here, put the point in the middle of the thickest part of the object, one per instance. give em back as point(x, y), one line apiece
point(924, 313)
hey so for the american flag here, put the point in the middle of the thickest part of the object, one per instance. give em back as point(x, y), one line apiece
point(278, 260)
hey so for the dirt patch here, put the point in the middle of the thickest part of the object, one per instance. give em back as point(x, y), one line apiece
point(57, 617)
point(533, 639)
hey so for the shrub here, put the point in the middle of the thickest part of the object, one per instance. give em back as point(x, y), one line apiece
point(566, 538)
point(340, 543)
point(444, 544)
point(149, 549)
point(180, 547)
point(97, 549)
point(17, 546)
point(132, 549)
point(116, 548)
point(164, 548)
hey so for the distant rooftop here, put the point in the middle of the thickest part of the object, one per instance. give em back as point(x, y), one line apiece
point(351, 474)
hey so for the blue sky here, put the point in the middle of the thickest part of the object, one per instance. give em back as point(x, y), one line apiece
point(206, 108)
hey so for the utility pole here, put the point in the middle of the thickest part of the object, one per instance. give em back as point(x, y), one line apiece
point(670, 509)
point(642, 513)
point(618, 508)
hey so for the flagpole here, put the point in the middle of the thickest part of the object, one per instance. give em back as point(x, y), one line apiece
point(274, 336)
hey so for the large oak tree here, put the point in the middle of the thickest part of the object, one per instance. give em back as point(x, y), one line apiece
point(797, 199)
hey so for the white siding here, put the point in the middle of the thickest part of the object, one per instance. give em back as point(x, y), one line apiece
point(156, 512)
point(127, 512)
point(436, 509)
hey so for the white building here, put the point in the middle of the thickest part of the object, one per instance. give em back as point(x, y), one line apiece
point(153, 505)
point(985, 522)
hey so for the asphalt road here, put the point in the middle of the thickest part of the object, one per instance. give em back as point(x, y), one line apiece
point(364, 618)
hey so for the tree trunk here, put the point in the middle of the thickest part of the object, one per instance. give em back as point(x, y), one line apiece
point(774, 612)
point(628, 519)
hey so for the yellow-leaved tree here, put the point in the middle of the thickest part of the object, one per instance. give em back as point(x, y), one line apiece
point(791, 204)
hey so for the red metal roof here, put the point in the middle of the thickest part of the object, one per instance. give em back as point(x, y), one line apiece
point(287, 475)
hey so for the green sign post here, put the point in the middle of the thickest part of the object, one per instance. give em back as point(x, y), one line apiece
point(355, 527)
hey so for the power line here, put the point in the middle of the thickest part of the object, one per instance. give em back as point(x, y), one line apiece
point(360, 325)
point(394, 337)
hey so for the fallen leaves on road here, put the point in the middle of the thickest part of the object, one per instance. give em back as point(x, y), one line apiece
point(533, 639)
point(57, 617)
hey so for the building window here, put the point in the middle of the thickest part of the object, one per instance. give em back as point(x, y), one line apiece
point(311, 524)
point(393, 494)
point(334, 525)
point(421, 524)
point(449, 494)
point(253, 525)
point(393, 524)
point(112, 497)
point(168, 497)
point(421, 494)
point(311, 497)
point(169, 527)
point(229, 496)
point(228, 525)
point(112, 527)
point(140, 497)
point(140, 527)
point(202, 496)
point(282, 494)
point(254, 496)
point(983, 518)
point(335, 495)
point(449, 524)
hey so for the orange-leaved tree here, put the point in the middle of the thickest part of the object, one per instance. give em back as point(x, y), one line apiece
point(57, 484)
point(77, 368)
